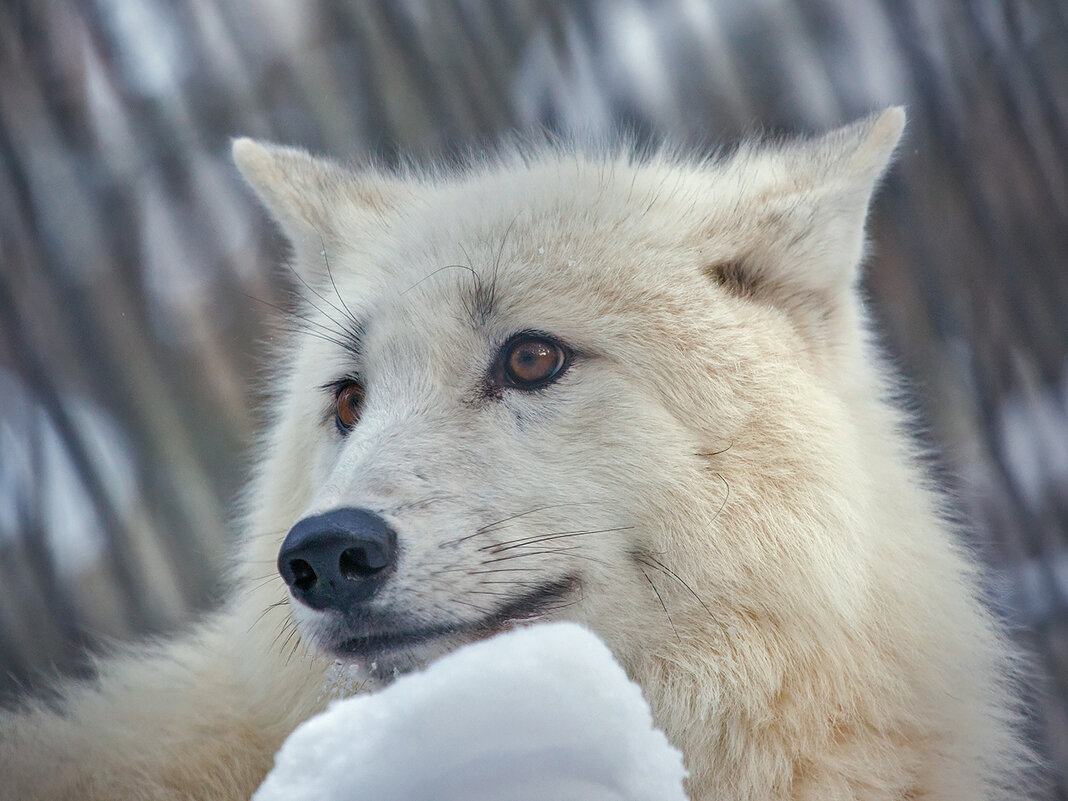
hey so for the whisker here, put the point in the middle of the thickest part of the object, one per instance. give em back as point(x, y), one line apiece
point(330, 275)
point(651, 561)
point(489, 527)
point(476, 607)
point(267, 534)
point(490, 593)
point(667, 614)
point(267, 609)
point(310, 326)
point(265, 580)
point(435, 272)
point(527, 554)
point(539, 538)
point(348, 325)
point(726, 497)
point(550, 552)
point(343, 344)
point(297, 643)
point(709, 454)
point(292, 633)
point(421, 502)
point(287, 626)
point(497, 261)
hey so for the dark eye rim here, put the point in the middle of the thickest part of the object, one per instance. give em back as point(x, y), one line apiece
point(504, 375)
point(335, 388)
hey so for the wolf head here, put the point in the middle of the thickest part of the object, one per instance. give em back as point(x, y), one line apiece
point(557, 385)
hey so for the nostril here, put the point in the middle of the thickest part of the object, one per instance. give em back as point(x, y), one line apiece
point(339, 559)
point(362, 561)
point(303, 575)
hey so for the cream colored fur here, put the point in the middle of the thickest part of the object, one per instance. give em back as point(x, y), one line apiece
point(764, 554)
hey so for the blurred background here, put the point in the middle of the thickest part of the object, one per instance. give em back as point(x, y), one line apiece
point(137, 276)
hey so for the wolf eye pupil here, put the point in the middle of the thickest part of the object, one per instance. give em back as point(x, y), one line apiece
point(533, 361)
point(347, 405)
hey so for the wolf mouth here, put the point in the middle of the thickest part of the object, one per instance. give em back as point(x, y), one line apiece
point(541, 600)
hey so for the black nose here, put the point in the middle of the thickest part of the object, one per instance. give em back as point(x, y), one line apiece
point(338, 559)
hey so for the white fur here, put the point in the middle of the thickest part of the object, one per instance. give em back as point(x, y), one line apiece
point(765, 556)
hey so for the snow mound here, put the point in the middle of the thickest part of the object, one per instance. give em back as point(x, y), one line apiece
point(542, 713)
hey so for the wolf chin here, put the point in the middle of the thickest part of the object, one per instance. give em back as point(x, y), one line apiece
point(639, 393)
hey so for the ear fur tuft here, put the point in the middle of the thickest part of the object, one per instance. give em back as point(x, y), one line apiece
point(879, 135)
point(298, 189)
point(861, 151)
point(802, 226)
point(318, 203)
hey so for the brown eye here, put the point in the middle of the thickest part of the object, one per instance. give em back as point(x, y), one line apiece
point(347, 405)
point(533, 362)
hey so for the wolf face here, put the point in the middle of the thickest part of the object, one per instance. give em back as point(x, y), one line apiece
point(597, 485)
point(545, 380)
point(636, 393)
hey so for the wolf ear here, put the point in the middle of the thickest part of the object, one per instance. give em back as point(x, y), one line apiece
point(800, 236)
point(319, 205)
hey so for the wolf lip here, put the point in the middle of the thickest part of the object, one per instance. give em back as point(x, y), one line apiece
point(541, 600)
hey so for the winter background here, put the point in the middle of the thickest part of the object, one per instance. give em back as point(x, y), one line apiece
point(137, 276)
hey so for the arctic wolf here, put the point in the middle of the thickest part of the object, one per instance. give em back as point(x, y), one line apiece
point(633, 392)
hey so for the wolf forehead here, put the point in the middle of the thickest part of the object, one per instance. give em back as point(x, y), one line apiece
point(509, 240)
point(608, 230)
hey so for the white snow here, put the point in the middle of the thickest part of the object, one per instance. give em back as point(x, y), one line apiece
point(542, 713)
